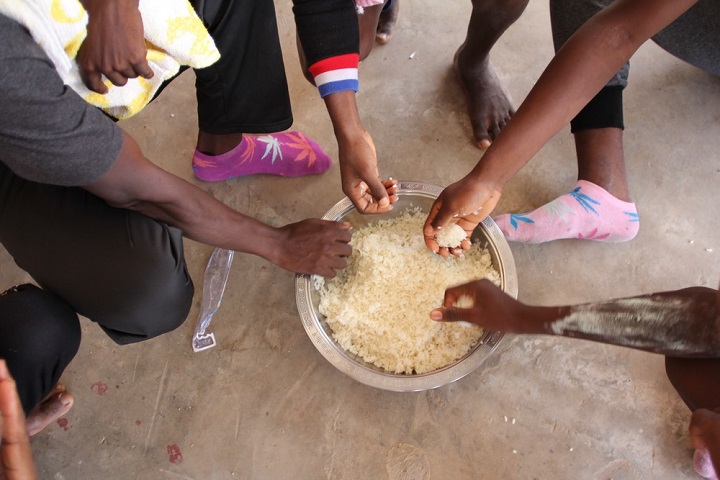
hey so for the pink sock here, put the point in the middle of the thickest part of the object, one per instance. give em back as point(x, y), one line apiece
point(588, 212)
point(288, 154)
point(703, 464)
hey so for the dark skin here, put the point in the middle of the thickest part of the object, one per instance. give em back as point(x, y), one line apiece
point(123, 52)
point(16, 462)
point(311, 246)
point(683, 325)
point(115, 48)
point(574, 76)
point(489, 104)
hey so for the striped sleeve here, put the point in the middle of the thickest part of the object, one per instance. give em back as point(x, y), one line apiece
point(336, 74)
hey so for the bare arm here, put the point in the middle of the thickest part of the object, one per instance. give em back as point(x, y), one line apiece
point(681, 323)
point(359, 173)
point(328, 45)
point(576, 73)
point(135, 183)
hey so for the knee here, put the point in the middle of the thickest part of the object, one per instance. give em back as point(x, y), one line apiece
point(39, 336)
point(168, 305)
point(38, 320)
point(159, 305)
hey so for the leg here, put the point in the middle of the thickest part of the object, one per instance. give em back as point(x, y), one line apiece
point(118, 268)
point(246, 92)
point(387, 21)
point(39, 336)
point(367, 23)
point(598, 128)
point(696, 381)
point(489, 104)
point(610, 215)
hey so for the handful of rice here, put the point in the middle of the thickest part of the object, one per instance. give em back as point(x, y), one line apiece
point(451, 237)
point(378, 307)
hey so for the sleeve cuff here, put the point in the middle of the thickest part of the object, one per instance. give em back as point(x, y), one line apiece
point(336, 74)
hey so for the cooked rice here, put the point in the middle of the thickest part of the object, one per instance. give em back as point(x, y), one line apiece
point(451, 236)
point(379, 306)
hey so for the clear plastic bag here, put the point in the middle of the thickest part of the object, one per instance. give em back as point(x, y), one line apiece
point(216, 275)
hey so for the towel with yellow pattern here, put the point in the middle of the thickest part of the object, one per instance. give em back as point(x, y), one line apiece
point(174, 36)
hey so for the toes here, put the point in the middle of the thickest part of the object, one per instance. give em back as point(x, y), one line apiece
point(383, 38)
point(483, 144)
point(482, 139)
point(49, 410)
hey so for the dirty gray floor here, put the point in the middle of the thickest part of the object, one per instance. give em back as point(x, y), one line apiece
point(264, 404)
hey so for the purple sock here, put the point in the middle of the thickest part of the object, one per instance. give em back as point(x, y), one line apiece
point(589, 212)
point(288, 154)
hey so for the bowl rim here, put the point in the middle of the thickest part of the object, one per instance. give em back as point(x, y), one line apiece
point(337, 356)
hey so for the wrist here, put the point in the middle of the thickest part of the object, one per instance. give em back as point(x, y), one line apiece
point(267, 243)
point(344, 115)
point(487, 173)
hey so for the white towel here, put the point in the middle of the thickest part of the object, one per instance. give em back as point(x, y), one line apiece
point(174, 36)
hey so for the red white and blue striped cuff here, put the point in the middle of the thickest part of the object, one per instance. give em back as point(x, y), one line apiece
point(336, 74)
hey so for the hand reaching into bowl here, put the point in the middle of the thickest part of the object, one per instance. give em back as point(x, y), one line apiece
point(466, 202)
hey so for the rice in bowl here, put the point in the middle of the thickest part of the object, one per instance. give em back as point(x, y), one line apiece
point(383, 317)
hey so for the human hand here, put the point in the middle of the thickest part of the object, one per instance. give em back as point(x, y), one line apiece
point(360, 178)
point(490, 308)
point(466, 202)
point(705, 434)
point(114, 45)
point(314, 246)
point(16, 462)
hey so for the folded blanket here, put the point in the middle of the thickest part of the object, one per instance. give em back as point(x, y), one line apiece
point(174, 36)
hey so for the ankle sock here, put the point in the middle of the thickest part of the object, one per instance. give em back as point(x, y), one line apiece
point(288, 154)
point(588, 212)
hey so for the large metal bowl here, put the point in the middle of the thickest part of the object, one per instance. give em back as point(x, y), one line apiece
point(415, 194)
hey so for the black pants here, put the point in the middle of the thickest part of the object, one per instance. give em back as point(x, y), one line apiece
point(120, 269)
point(246, 90)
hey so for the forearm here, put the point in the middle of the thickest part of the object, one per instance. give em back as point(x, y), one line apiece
point(137, 184)
point(574, 76)
point(679, 323)
point(344, 115)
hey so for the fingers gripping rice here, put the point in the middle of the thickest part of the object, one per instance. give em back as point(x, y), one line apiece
point(452, 236)
point(378, 307)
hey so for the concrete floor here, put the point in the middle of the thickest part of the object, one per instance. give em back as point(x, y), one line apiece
point(264, 404)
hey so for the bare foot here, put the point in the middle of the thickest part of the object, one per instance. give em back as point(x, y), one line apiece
point(387, 21)
point(54, 406)
point(489, 103)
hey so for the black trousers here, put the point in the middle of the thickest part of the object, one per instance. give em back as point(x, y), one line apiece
point(120, 269)
point(246, 90)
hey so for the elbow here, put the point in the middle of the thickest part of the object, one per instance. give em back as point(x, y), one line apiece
point(619, 38)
